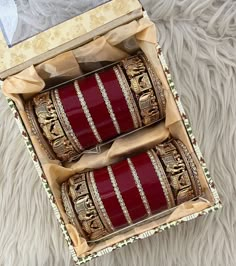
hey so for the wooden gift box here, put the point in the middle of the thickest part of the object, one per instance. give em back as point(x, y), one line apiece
point(68, 36)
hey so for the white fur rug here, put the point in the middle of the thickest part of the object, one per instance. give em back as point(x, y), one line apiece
point(199, 41)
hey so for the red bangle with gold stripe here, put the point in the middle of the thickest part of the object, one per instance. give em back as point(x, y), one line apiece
point(120, 195)
point(97, 108)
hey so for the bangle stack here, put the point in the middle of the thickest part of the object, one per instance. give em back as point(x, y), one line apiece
point(117, 196)
point(97, 108)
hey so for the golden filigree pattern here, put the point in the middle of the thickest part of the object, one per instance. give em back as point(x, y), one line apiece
point(51, 127)
point(86, 213)
point(179, 170)
point(146, 86)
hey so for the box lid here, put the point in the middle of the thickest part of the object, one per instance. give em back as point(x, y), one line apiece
point(93, 18)
point(16, 15)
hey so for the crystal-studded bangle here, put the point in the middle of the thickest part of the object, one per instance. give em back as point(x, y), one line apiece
point(120, 195)
point(65, 122)
point(98, 202)
point(133, 108)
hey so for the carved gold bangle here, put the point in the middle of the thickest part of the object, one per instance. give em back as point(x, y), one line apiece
point(49, 123)
point(70, 212)
point(157, 85)
point(90, 225)
point(54, 115)
point(36, 130)
point(190, 165)
point(180, 170)
point(146, 88)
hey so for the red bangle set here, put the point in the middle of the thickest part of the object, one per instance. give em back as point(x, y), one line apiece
point(97, 108)
point(103, 201)
point(87, 107)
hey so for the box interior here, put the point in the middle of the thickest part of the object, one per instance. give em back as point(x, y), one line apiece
point(111, 47)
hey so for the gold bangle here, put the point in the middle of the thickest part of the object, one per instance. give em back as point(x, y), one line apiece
point(49, 123)
point(190, 165)
point(178, 170)
point(157, 85)
point(70, 212)
point(37, 131)
point(90, 223)
point(146, 87)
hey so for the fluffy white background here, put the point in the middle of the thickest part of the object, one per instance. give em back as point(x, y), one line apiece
point(199, 41)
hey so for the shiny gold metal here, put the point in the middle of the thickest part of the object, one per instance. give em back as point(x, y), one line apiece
point(157, 85)
point(190, 165)
point(180, 170)
point(49, 123)
point(70, 212)
point(146, 87)
point(133, 66)
point(86, 213)
point(37, 132)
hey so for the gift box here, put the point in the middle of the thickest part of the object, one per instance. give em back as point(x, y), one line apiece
point(97, 38)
